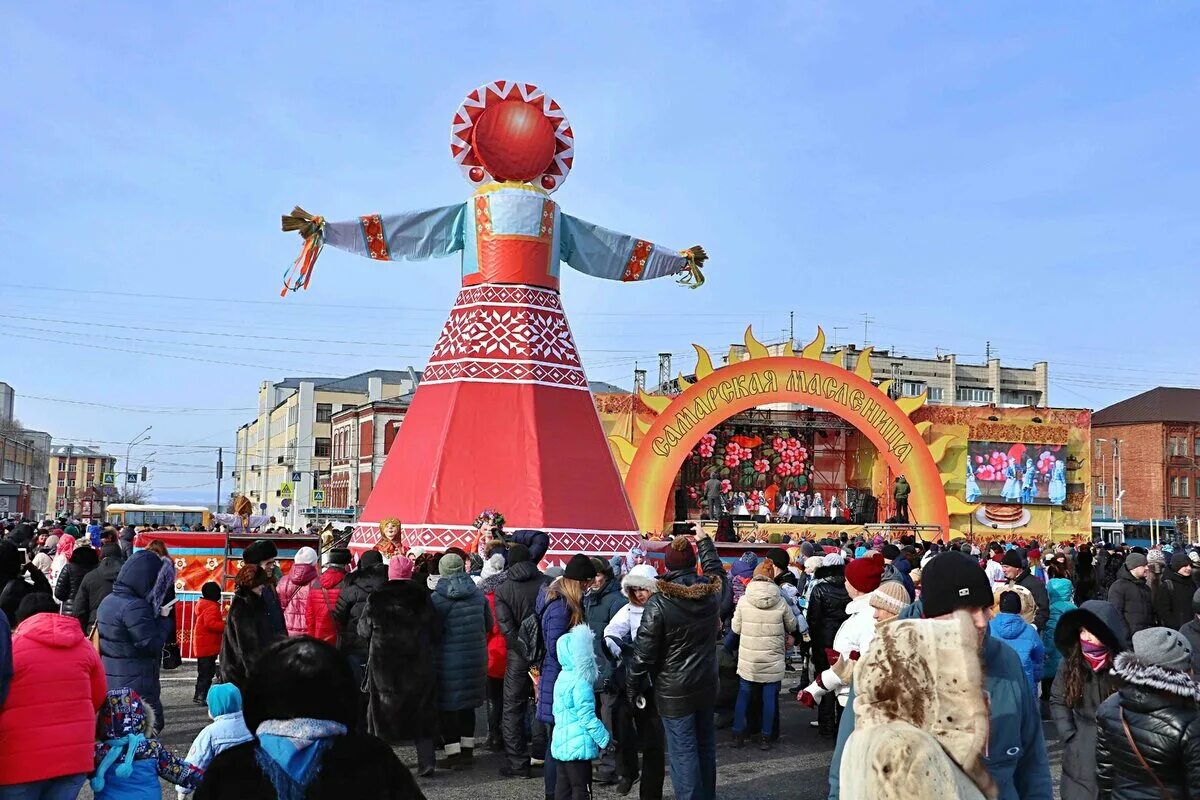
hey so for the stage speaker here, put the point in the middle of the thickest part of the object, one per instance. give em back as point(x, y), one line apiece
point(681, 504)
point(869, 507)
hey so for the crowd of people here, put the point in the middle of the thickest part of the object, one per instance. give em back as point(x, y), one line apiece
point(932, 666)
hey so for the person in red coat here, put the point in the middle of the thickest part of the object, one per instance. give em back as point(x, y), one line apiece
point(48, 722)
point(206, 639)
point(322, 597)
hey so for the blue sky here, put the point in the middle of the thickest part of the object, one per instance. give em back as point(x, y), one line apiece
point(1018, 173)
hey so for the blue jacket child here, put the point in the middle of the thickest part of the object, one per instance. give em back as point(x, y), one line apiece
point(128, 763)
point(226, 730)
point(578, 734)
point(1014, 631)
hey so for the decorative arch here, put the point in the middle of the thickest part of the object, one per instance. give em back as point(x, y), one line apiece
point(719, 394)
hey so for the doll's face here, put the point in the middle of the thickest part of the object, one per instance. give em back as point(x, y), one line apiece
point(391, 530)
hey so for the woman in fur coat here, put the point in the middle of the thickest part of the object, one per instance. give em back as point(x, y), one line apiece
point(397, 627)
point(248, 629)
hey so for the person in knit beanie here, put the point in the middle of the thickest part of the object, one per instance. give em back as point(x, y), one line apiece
point(889, 600)
point(400, 568)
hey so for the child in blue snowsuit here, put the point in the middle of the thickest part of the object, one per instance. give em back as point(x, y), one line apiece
point(128, 761)
point(226, 729)
point(1011, 628)
point(578, 735)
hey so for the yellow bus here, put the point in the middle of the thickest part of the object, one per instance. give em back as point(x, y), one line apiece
point(137, 514)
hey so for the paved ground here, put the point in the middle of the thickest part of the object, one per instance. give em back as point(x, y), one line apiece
point(796, 769)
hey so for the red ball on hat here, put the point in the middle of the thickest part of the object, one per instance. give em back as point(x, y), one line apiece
point(864, 574)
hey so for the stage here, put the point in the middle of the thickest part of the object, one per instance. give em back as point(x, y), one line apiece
point(749, 530)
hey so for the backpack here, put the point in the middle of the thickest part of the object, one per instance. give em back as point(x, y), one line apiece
point(530, 642)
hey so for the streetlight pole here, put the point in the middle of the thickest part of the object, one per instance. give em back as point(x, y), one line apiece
point(129, 451)
point(1116, 461)
point(1102, 477)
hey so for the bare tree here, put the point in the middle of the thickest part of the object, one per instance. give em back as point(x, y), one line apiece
point(135, 493)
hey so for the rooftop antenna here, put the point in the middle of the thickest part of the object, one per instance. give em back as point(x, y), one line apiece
point(987, 350)
point(867, 320)
point(835, 330)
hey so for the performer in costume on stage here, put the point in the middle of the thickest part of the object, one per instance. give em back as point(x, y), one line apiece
point(1058, 483)
point(972, 485)
point(817, 509)
point(1012, 487)
point(502, 415)
point(1028, 487)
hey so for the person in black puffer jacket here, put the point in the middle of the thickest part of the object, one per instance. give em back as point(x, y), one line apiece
point(675, 654)
point(83, 561)
point(1131, 595)
point(352, 603)
point(514, 602)
point(97, 585)
point(826, 612)
point(1148, 733)
point(1175, 607)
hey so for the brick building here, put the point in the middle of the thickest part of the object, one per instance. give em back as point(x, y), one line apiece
point(362, 436)
point(1148, 445)
point(76, 473)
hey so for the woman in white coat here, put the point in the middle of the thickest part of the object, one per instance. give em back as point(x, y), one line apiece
point(763, 622)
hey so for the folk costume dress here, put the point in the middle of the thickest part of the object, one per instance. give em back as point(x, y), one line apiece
point(502, 417)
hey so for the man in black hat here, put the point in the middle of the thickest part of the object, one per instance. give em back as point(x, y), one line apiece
point(264, 553)
point(1014, 569)
point(681, 668)
point(1016, 754)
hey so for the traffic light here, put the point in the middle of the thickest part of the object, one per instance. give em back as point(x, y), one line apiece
point(143, 473)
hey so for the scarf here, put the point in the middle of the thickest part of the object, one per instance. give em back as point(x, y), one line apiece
point(289, 752)
point(1096, 655)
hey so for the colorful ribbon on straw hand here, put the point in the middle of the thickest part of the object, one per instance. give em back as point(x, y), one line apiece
point(312, 228)
point(693, 274)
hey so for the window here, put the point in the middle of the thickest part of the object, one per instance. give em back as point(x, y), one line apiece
point(1101, 491)
point(969, 395)
point(62, 483)
point(71, 482)
point(1174, 487)
point(1197, 447)
point(935, 395)
point(324, 412)
point(911, 388)
point(1177, 446)
point(1184, 485)
point(62, 465)
point(322, 447)
point(293, 415)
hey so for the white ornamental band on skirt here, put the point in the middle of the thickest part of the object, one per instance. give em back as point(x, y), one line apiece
point(564, 543)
